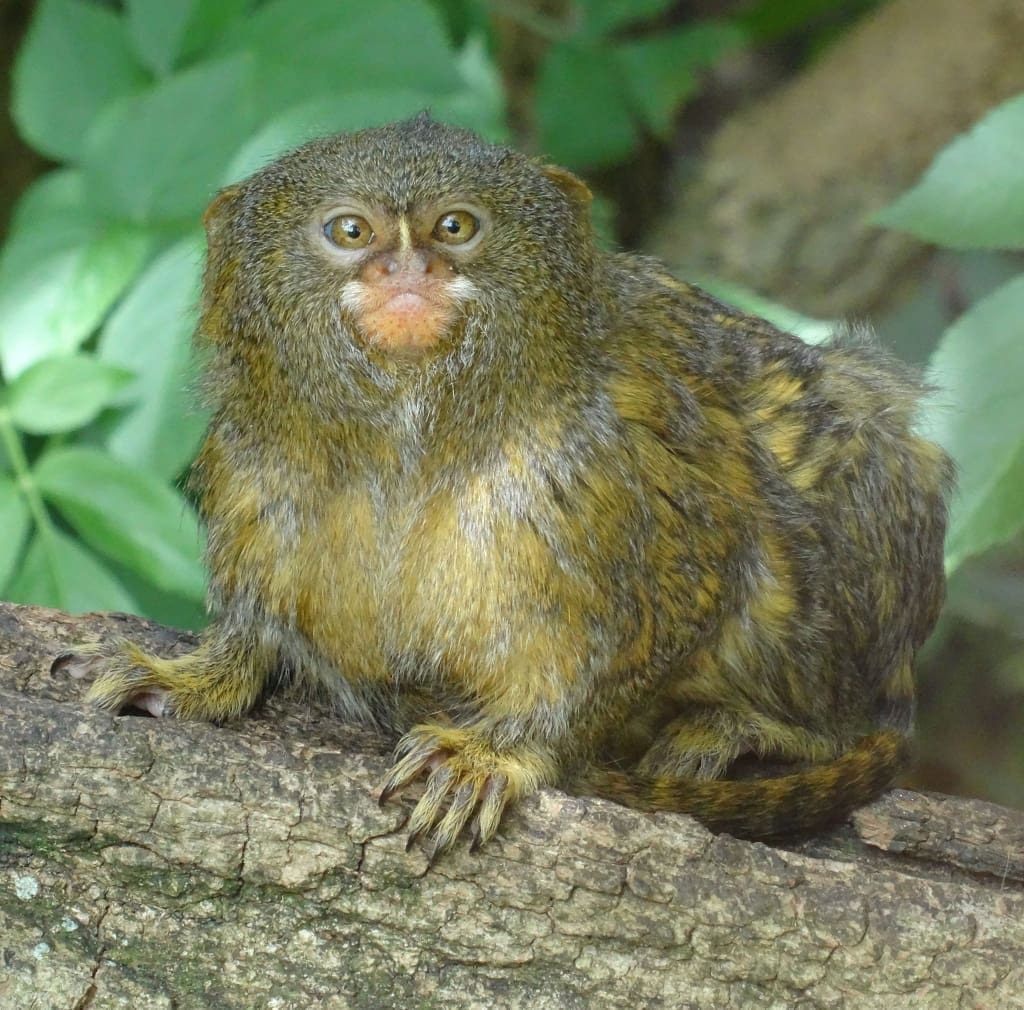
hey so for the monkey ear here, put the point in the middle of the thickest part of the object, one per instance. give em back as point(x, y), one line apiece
point(571, 185)
point(220, 210)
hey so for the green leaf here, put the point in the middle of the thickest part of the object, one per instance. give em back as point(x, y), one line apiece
point(61, 394)
point(210, 20)
point(75, 61)
point(601, 17)
point(972, 196)
point(998, 518)
point(591, 94)
point(150, 333)
point(59, 572)
point(333, 47)
point(476, 106)
point(127, 514)
point(462, 18)
point(165, 33)
point(769, 20)
point(138, 167)
point(479, 104)
point(157, 30)
point(583, 112)
point(61, 269)
point(661, 71)
point(977, 368)
point(162, 606)
point(320, 117)
point(14, 521)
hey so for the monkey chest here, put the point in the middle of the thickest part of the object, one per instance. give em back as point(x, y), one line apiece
point(447, 581)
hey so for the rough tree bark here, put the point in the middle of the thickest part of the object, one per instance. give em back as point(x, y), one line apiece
point(157, 864)
point(782, 197)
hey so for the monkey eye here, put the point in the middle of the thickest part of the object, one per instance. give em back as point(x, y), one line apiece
point(456, 227)
point(349, 231)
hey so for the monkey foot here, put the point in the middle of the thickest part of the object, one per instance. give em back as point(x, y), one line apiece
point(468, 782)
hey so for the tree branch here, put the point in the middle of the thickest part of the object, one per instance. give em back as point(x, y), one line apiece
point(152, 863)
point(782, 197)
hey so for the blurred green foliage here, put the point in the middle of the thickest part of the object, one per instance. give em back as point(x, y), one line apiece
point(148, 107)
point(597, 91)
point(972, 197)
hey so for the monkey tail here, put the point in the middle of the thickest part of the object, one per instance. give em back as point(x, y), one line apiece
point(771, 808)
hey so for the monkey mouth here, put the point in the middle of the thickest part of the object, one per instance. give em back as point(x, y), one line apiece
point(404, 318)
point(408, 301)
point(406, 314)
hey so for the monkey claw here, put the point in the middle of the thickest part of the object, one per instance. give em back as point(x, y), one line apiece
point(468, 782)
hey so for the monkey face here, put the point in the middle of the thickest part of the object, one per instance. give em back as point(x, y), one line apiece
point(407, 286)
point(401, 243)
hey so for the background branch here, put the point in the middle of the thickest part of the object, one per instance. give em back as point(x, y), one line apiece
point(782, 195)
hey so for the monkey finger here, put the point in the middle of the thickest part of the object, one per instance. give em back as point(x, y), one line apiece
point(418, 756)
point(78, 662)
point(118, 689)
point(485, 824)
point(428, 810)
point(459, 812)
point(416, 742)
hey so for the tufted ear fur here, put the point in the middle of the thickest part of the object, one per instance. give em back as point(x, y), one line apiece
point(220, 210)
point(571, 185)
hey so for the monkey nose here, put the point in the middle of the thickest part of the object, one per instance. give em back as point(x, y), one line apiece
point(413, 265)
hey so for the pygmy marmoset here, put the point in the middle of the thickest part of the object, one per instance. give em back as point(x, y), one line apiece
point(549, 512)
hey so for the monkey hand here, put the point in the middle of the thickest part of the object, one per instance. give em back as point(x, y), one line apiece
point(213, 683)
point(469, 781)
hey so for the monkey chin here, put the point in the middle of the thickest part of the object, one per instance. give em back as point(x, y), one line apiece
point(407, 323)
